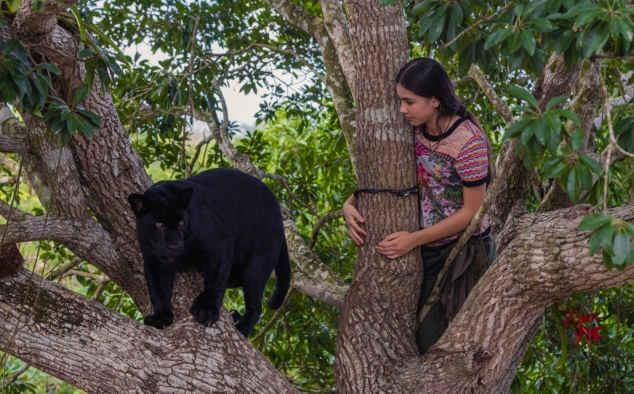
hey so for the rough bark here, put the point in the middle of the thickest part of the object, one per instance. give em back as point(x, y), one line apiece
point(547, 261)
point(100, 351)
point(376, 324)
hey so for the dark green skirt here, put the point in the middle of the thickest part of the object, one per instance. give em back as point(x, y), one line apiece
point(465, 270)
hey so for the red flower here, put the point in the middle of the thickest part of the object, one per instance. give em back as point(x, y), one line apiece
point(571, 318)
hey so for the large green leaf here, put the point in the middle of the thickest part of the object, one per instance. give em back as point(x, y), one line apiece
point(523, 94)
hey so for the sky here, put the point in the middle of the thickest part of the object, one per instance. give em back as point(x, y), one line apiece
point(241, 107)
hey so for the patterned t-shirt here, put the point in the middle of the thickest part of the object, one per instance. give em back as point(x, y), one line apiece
point(459, 158)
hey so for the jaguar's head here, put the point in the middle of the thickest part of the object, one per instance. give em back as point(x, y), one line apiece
point(162, 218)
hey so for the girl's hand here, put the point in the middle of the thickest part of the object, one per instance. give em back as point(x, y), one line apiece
point(396, 245)
point(353, 218)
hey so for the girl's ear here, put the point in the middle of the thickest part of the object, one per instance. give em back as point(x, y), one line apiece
point(435, 102)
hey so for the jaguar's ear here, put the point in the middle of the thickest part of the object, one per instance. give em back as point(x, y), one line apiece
point(186, 195)
point(136, 202)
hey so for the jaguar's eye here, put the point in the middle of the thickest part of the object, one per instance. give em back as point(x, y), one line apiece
point(158, 224)
point(181, 223)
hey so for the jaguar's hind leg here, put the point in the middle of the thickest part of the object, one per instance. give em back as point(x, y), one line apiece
point(253, 304)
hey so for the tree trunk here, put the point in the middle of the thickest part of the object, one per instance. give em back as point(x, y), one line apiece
point(377, 321)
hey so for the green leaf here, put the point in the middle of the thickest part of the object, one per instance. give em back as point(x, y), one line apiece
point(514, 42)
point(424, 25)
point(513, 129)
point(620, 247)
point(80, 93)
point(80, 23)
point(49, 115)
point(607, 240)
point(528, 41)
point(552, 141)
point(553, 102)
point(542, 24)
point(553, 122)
point(496, 37)
point(578, 138)
point(523, 94)
point(86, 52)
point(591, 164)
point(72, 124)
point(91, 116)
point(528, 132)
point(47, 66)
point(607, 260)
point(585, 176)
point(567, 114)
point(438, 23)
point(626, 30)
point(456, 14)
point(572, 185)
point(595, 221)
point(563, 41)
point(597, 238)
point(541, 128)
point(64, 137)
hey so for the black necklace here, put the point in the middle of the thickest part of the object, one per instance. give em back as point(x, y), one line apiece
point(432, 151)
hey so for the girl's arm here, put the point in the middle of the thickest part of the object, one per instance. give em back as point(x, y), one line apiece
point(353, 218)
point(397, 244)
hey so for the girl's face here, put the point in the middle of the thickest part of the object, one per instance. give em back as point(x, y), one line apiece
point(417, 109)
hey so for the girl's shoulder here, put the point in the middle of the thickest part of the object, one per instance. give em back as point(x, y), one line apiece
point(465, 133)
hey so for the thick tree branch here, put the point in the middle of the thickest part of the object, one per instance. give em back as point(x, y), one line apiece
point(548, 260)
point(87, 344)
point(337, 26)
point(297, 16)
point(30, 24)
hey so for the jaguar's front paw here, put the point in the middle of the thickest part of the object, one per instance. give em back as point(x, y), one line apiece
point(204, 313)
point(160, 320)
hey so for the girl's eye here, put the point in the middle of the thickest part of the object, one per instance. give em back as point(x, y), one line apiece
point(181, 223)
point(158, 224)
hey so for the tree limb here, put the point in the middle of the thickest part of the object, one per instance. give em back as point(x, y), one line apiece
point(321, 222)
point(337, 27)
point(84, 343)
point(548, 260)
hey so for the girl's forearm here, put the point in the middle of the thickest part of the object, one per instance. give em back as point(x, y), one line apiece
point(446, 227)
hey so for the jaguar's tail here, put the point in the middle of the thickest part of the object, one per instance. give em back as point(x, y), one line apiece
point(282, 278)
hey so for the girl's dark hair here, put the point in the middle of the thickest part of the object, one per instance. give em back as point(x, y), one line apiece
point(427, 78)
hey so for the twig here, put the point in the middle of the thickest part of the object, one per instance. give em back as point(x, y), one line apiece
point(197, 153)
point(608, 108)
point(612, 57)
point(190, 98)
point(292, 197)
point(320, 223)
point(7, 211)
point(14, 377)
point(59, 271)
point(488, 90)
point(276, 316)
point(100, 289)
point(477, 23)
point(98, 278)
point(301, 59)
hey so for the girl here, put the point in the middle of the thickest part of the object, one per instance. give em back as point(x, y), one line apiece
point(453, 161)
